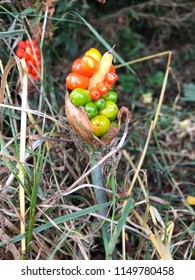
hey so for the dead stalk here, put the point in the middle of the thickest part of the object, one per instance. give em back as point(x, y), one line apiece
point(24, 84)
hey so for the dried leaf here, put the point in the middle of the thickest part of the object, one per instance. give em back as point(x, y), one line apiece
point(49, 4)
point(37, 31)
point(27, 3)
point(102, 1)
point(79, 121)
point(9, 65)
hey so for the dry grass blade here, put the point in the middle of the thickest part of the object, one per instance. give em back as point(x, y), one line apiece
point(24, 82)
point(5, 238)
point(145, 58)
point(161, 96)
point(163, 250)
point(128, 158)
point(140, 161)
point(11, 247)
point(4, 85)
point(35, 112)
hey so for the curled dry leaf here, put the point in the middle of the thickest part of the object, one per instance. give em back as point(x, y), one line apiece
point(50, 5)
point(79, 121)
point(102, 1)
point(9, 65)
point(27, 3)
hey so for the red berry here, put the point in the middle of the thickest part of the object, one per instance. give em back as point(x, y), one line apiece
point(20, 53)
point(31, 43)
point(103, 87)
point(111, 78)
point(94, 93)
point(75, 80)
point(22, 45)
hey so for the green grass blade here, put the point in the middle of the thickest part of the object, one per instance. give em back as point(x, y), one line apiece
point(37, 173)
point(60, 220)
point(72, 216)
point(60, 243)
point(119, 227)
point(13, 33)
point(147, 254)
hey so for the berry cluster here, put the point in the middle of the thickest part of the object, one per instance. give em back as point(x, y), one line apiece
point(91, 84)
point(92, 73)
point(30, 52)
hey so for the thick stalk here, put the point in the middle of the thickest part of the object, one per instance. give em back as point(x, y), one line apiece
point(100, 194)
point(97, 180)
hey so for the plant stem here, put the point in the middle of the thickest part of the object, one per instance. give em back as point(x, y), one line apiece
point(100, 194)
point(97, 180)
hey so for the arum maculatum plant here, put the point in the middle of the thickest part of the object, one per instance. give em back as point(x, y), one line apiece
point(92, 111)
point(91, 102)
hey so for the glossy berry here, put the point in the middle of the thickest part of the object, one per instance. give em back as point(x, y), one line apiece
point(89, 65)
point(94, 53)
point(20, 53)
point(112, 96)
point(91, 110)
point(100, 103)
point(110, 110)
point(111, 78)
point(77, 68)
point(95, 93)
point(22, 45)
point(103, 87)
point(75, 80)
point(79, 97)
point(100, 125)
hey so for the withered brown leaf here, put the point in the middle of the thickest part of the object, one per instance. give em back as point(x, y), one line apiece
point(102, 1)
